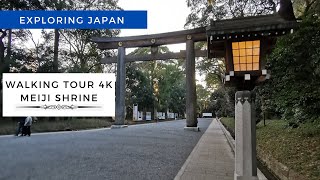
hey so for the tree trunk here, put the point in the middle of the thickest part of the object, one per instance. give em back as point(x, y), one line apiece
point(56, 54)
point(56, 51)
point(286, 10)
point(1, 55)
point(9, 43)
point(2, 49)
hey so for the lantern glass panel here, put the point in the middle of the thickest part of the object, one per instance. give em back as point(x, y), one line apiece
point(236, 67)
point(235, 45)
point(249, 44)
point(243, 67)
point(246, 55)
point(256, 43)
point(255, 66)
point(242, 45)
point(256, 59)
point(249, 59)
point(256, 51)
point(243, 60)
point(236, 53)
point(242, 52)
point(236, 60)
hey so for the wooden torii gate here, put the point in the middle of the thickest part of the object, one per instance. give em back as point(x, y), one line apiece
point(154, 41)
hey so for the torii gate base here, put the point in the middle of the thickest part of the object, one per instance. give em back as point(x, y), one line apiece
point(118, 126)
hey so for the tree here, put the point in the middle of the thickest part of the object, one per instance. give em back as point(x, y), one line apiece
point(203, 99)
point(297, 85)
point(303, 8)
point(5, 59)
point(172, 88)
point(13, 5)
point(286, 10)
point(80, 53)
point(138, 88)
point(156, 85)
point(221, 102)
point(2, 47)
point(202, 11)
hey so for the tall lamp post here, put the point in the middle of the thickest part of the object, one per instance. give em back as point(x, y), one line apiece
point(244, 44)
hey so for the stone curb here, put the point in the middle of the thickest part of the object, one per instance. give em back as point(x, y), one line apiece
point(228, 136)
point(280, 170)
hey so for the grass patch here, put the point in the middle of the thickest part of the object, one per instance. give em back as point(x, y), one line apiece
point(229, 124)
point(9, 127)
point(298, 148)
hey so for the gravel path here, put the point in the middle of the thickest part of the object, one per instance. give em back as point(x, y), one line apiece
point(150, 151)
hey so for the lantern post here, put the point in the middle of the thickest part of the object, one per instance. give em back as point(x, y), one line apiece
point(244, 44)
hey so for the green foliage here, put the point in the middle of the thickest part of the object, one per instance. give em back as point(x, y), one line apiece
point(139, 89)
point(265, 105)
point(295, 67)
point(305, 8)
point(311, 129)
point(155, 84)
point(222, 102)
point(203, 99)
point(20, 4)
point(229, 123)
point(201, 11)
point(171, 80)
point(80, 53)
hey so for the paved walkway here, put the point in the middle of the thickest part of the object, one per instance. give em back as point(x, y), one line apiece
point(211, 159)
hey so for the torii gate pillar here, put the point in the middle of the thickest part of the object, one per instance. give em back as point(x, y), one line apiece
point(120, 89)
point(191, 104)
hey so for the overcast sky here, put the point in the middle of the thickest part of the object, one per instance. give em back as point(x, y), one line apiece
point(163, 16)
